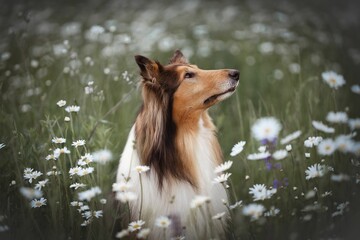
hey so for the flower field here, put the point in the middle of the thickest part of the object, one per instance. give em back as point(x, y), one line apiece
point(290, 134)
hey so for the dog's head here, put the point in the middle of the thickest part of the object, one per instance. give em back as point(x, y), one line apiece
point(191, 87)
point(174, 99)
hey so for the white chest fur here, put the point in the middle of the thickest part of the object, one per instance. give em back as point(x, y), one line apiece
point(175, 198)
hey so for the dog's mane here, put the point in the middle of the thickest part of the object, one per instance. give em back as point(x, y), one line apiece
point(156, 131)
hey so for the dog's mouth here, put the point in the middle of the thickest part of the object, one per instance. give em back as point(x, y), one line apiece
point(216, 96)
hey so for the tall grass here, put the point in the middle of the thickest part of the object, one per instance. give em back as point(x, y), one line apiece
point(86, 58)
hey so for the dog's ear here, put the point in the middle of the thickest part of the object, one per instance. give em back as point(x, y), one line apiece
point(178, 57)
point(149, 69)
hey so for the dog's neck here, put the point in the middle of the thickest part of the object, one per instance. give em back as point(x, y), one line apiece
point(171, 142)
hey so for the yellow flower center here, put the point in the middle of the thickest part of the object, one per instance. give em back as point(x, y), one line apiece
point(332, 81)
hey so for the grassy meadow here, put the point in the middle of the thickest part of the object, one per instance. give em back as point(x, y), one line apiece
point(83, 53)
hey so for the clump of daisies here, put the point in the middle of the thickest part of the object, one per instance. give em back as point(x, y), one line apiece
point(34, 194)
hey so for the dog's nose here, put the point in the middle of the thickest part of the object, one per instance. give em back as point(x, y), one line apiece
point(234, 74)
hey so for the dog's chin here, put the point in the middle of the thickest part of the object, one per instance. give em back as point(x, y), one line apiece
point(220, 96)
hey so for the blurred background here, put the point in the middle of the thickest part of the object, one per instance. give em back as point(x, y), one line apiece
point(83, 52)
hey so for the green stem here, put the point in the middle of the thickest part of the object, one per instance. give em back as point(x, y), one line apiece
point(233, 190)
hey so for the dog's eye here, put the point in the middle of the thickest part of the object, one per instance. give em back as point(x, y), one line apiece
point(189, 75)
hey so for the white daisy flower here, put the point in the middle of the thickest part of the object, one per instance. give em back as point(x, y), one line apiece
point(122, 233)
point(143, 233)
point(266, 129)
point(87, 215)
point(88, 158)
point(280, 154)
point(77, 185)
point(255, 211)
point(354, 123)
point(98, 214)
point(32, 175)
point(142, 168)
point(36, 203)
point(312, 141)
point(260, 192)
point(78, 143)
point(85, 171)
point(355, 89)
point(41, 184)
point(58, 140)
point(75, 170)
point(222, 178)
point(121, 186)
point(50, 157)
point(85, 160)
point(199, 200)
point(59, 151)
point(326, 147)
point(67, 119)
point(89, 194)
point(316, 170)
point(223, 167)
point(337, 117)
point(290, 137)
point(257, 188)
point(72, 108)
point(322, 127)
point(237, 148)
point(136, 225)
point(258, 156)
point(307, 155)
point(30, 193)
point(102, 156)
point(126, 197)
point(333, 79)
point(103, 201)
point(28, 170)
point(61, 103)
point(344, 143)
point(162, 222)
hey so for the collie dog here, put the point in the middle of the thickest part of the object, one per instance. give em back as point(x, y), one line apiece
point(174, 136)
